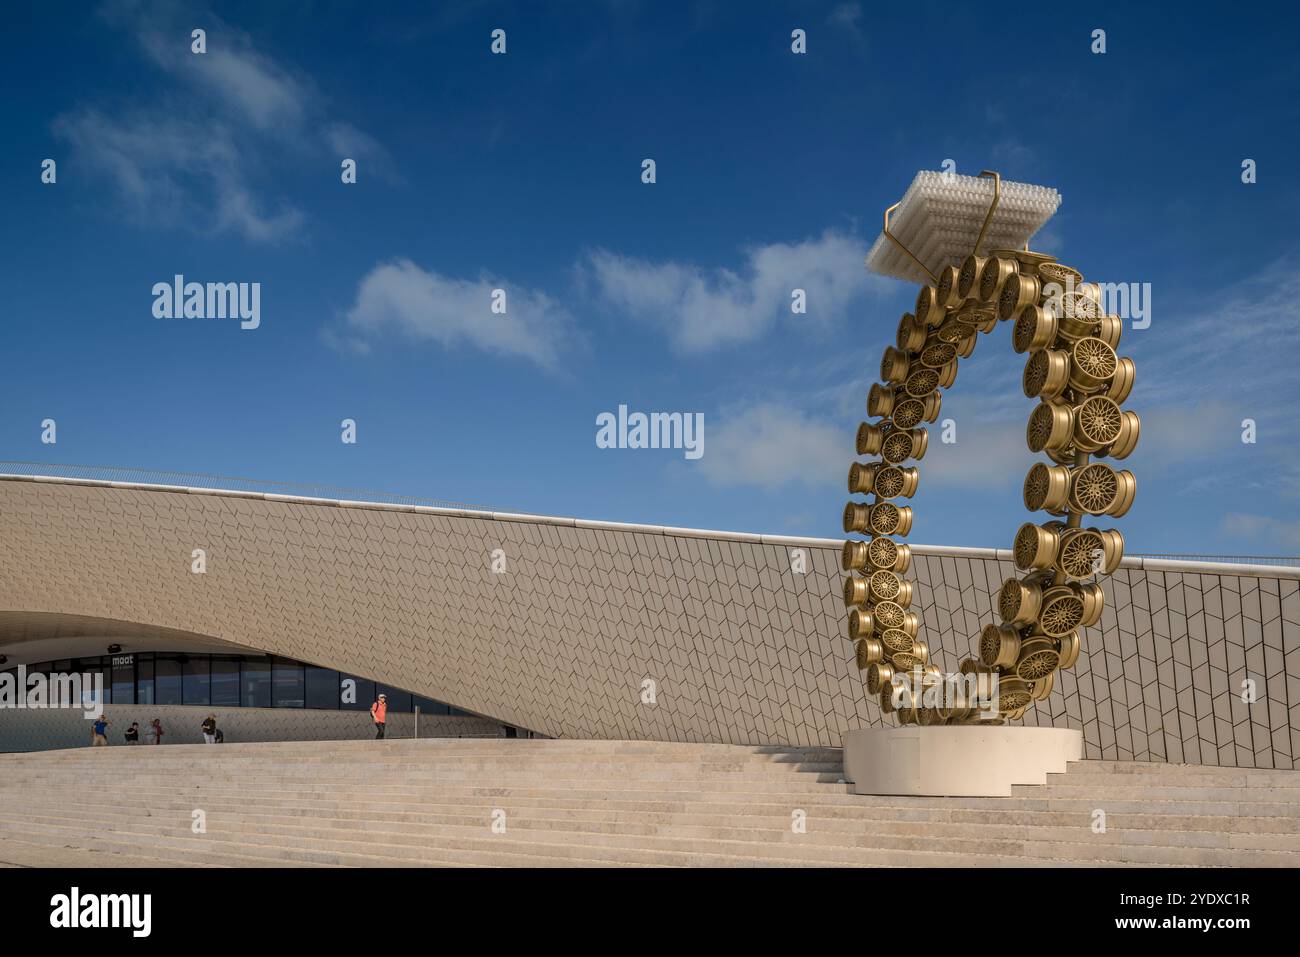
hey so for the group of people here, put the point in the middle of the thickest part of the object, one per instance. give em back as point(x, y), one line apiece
point(153, 733)
point(211, 733)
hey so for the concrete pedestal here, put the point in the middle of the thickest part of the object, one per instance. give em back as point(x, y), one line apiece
point(961, 760)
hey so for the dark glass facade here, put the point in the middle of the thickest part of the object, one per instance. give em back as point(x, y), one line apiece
point(234, 681)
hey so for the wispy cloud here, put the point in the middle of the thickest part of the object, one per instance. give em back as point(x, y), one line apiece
point(1200, 373)
point(705, 309)
point(402, 300)
point(1242, 340)
point(1013, 154)
point(847, 18)
point(194, 156)
point(770, 445)
point(247, 84)
point(1260, 529)
point(169, 171)
point(985, 455)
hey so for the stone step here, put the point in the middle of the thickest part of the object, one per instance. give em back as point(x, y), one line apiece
point(424, 772)
point(611, 762)
point(845, 831)
point(1109, 790)
point(113, 852)
point(201, 852)
point(1283, 817)
point(578, 803)
point(349, 845)
point(199, 754)
point(1091, 765)
point(665, 798)
point(494, 746)
point(796, 785)
point(476, 852)
point(587, 790)
point(1181, 777)
point(735, 784)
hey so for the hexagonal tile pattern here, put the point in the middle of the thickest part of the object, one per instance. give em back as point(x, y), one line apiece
point(597, 630)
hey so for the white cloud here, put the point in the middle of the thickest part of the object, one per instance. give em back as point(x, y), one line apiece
point(169, 172)
point(705, 309)
point(252, 85)
point(771, 446)
point(249, 84)
point(194, 160)
point(401, 299)
point(986, 455)
point(1246, 526)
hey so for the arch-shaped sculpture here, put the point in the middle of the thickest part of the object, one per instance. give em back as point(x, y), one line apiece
point(1080, 382)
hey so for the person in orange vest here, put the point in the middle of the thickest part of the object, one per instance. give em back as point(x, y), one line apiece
point(379, 712)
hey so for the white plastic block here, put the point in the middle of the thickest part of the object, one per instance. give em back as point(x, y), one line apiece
point(940, 216)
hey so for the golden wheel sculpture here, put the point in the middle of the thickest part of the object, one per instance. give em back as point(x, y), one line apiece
point(1080, 383)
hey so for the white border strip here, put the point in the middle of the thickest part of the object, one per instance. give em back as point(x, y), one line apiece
point(1289, 572)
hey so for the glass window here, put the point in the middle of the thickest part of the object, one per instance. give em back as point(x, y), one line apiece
point(197, 681)
point(59, 692)
point(287, 684)
point(103, 675)
point(225, 681)
point(399, 701)
point(167, 679)
point(255, 682)
point(144, 679)
point(232, 681)
point(322, 688)
point(364, 695)
point(123, 672)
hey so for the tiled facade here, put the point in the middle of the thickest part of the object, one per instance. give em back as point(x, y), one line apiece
point(603, 631)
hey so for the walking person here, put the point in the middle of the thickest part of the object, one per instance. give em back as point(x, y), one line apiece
point(209, 727)
point(99, 732)
point(155, 732)
point(133, 733)
point(379, 712)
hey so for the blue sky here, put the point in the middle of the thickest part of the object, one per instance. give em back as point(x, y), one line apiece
point(522, 172)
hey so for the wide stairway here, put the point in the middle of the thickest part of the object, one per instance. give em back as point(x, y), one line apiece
point(479, 802)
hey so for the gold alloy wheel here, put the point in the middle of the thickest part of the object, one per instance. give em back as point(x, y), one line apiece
point(1072, 369)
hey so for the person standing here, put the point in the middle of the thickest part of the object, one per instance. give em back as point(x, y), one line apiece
point(133, 733)
point(209, 727)
point(379, 712)
point(99, 732)
point(155, 731)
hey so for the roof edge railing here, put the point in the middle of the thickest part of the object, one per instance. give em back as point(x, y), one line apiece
point(224, 483)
